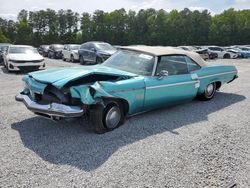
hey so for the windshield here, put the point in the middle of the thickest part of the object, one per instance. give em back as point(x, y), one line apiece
point(104, 46)
point(75, 47)
point(130, 61)
point(3, 48)
point(45, 47)
point(245, 49)
point(58, 47)
point(22, 50)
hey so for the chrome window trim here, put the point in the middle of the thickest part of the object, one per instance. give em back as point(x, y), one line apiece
point(155, 65)
point(169, 85)
point(218, 74)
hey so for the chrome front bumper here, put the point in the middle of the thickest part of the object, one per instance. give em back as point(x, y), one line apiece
point(50, 110)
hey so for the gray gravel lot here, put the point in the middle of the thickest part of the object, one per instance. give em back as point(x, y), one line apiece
point(198, 144)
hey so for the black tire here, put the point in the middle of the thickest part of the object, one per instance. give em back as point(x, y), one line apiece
point(63, 58)
point(99, 60)
point(7, 68)
point(209, 92)
point(72, 58)
point(101, 116)
point(226, 56)
point(82, 60)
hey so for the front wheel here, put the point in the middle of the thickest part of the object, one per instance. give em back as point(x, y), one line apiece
point(226, 56)
point(209, 92)
point(82, 60)
point(107, 118)
point(99, 60)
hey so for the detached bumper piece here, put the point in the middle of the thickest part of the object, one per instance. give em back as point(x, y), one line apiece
point(52, 110)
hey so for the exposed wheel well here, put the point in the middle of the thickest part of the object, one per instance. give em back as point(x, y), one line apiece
point(125, 105)
point(218, 85)
point(122, 101)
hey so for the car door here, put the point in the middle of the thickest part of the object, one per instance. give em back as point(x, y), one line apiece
point(92, 53)
point(85, 51)
point(178, 86)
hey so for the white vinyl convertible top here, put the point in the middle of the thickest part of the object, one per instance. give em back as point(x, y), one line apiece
point(161, 50)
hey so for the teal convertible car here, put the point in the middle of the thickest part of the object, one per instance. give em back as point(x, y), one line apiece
point(134, 80)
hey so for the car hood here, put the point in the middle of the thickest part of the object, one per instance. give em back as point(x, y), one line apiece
point(61, 76)
point(107, 52)
point(25, 57)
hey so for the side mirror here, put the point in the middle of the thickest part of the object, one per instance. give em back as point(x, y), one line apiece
point(162, 74)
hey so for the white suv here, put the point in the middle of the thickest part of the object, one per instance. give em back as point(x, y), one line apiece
point(70, 52)
point(222, 53)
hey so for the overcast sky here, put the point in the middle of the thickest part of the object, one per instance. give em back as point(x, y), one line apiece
point(10, 8)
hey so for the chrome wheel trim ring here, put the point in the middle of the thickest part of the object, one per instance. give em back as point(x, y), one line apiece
point(113, 117)
point(210, 90)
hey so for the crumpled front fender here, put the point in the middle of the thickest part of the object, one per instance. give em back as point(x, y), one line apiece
point(132, 91)
point(90, 94)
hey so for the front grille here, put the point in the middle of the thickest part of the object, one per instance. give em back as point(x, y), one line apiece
point(29, 61)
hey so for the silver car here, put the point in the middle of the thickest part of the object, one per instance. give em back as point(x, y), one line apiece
point(22, 57)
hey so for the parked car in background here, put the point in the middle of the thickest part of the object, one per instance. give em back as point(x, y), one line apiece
point(44, 50)
point(244, 48)
point(22, 57)
point(3, 49)
point(242, 52)
point(187, 48)
point(203, 52)
point(95, 52)
point(70, 52)
point(222, 53)
point(134, 80)
point(55, 51)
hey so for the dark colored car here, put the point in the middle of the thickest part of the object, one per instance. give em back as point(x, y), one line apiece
point(203, 53)
point(55, 51)
point(3, 49)
point(212, 55)
point(43, 50)
point(95, 52)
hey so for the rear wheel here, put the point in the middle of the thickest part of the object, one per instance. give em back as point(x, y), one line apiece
point(107, 118)
point(209, 92)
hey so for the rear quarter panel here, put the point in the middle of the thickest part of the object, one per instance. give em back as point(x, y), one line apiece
point(215, 73)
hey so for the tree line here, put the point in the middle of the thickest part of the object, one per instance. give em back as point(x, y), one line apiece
point(121, 27)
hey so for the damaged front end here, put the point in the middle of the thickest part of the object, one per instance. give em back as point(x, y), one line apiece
point(71, 99)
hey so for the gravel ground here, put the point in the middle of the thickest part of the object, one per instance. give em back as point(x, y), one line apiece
point(198, 144)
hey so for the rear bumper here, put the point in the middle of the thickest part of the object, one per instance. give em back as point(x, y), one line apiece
point(50, 110)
